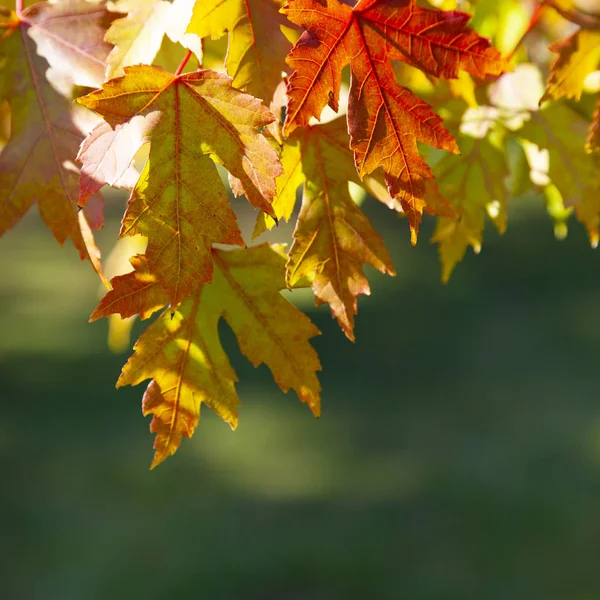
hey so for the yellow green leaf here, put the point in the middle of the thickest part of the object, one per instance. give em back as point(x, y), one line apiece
point(473, 184)
point(138, 36)
point(179, 202)
point(578, 56)
point(257, 47)
point(287, 185)
point(559, 130)
point(182, 354)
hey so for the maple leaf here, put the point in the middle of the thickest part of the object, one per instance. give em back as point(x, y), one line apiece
point(69, 34)
point(473, 185)
point(37, 163)
point(135, 293)
point(107, 155)
point(257, 47)
point(559, 129)
point(333, 237)
point(179, 202)
point(137, 37)
point(385, 120)
point(578, 56)
point(181, 351)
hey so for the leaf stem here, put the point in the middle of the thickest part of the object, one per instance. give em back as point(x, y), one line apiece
point(201, 59)
point(183, 63)
point(533, 21)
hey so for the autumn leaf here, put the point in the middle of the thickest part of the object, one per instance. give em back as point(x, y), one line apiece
point(107, 155)
point(559, 129)
point(37, 163)
point(257, 47)
point(138, 36)
point(385, 120)
point(69, 34)
point(135, 293)
point(179, 202)
point(578, 56)
point(473, 184)
point(182, 354)
point(333, 237)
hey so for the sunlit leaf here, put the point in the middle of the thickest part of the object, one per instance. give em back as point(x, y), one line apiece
point(179, 202)
point(182, 354)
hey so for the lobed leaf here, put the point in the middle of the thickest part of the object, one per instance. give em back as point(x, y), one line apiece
point(473, 185)
point(37, 163)
point(182, 354)
point(257, 47)
point(333, 238)
point(578, 56)
point(179, 202)
point(385, 120)
point(559, 129)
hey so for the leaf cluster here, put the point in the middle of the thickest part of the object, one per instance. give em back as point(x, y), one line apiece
point(161, 98)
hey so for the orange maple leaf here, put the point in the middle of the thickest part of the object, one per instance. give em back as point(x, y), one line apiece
point(385, 120)
point(333, 237)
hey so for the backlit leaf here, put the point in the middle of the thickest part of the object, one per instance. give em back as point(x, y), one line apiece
point(179, 202)
point(37, 164)
point(333, 237)
point(182, 354)
point(473, 185)
point(578, 56)
point(257, 47)
point(559, 129)
point(70, 35)
point(137, 37)
point(385, 120)
point(107, 154)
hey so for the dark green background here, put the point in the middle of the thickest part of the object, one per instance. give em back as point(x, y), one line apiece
point(457, 457)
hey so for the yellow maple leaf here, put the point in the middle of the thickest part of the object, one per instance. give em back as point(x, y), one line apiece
point(257, 47)
point(181, 351)
point(179, 202)
point(559, 129)
point(473, 185)
point(137, 37)
point(578, 56)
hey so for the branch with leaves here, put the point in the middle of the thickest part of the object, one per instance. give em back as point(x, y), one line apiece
point(438, 120)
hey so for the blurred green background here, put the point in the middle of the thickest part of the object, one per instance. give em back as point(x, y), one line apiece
point(457, 456)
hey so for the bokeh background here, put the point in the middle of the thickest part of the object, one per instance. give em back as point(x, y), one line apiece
point(457, 456)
